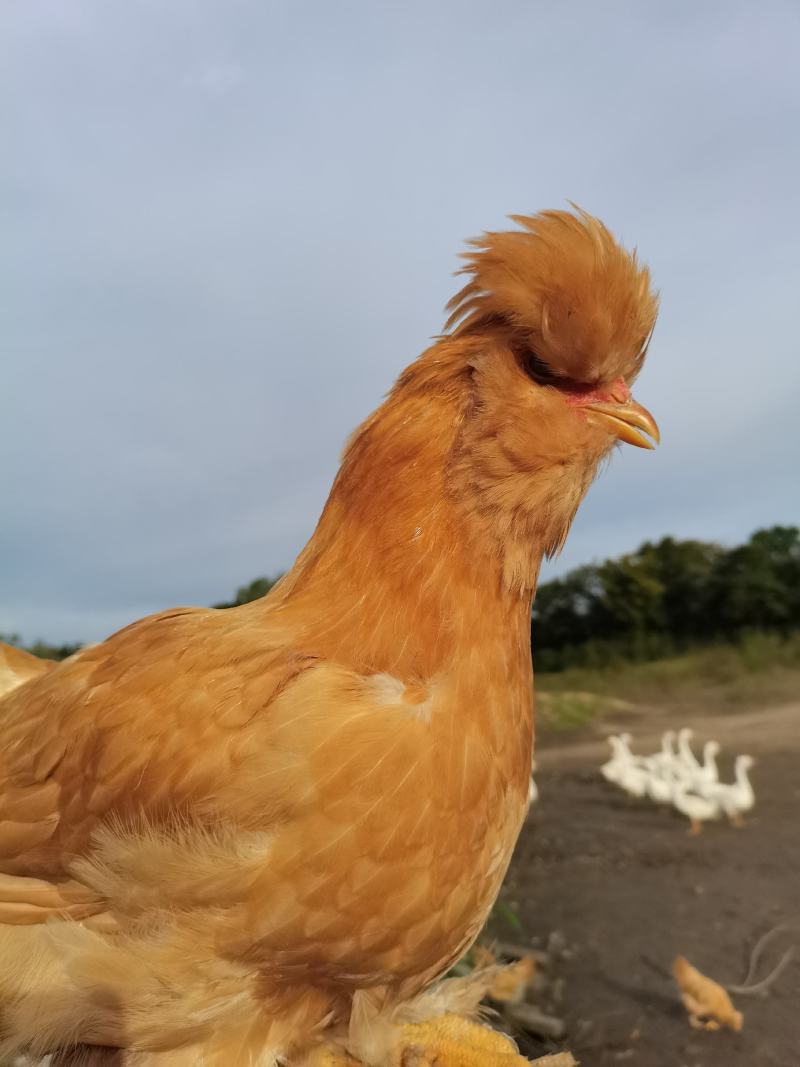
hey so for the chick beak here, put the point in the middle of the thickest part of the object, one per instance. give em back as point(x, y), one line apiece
point(624, 421)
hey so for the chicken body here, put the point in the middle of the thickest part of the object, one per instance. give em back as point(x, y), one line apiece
point(247, 825)
point(707, 1002)
point(349, 806)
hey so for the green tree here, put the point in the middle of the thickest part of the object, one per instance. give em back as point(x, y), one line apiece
point(667, 596)
point(632, 597)
point(567, 611)
point(253, 591)
point(684, 569)
point(755, 586)
point(44, 650)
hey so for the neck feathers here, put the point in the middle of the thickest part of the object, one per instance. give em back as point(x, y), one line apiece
point(418, 549)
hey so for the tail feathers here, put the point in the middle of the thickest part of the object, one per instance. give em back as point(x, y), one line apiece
point(18, 667)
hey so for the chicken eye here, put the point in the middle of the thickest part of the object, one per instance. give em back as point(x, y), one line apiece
point(539, 371)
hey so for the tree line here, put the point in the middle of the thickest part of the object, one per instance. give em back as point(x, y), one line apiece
point(666, 597)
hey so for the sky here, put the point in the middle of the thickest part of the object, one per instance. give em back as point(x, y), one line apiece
point(228, 225)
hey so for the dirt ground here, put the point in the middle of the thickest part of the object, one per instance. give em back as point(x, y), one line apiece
point(629, 889)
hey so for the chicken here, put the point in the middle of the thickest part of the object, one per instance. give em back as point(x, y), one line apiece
point(255, 826)
point(512, 981)
point(18, 666)
point(708, 1005)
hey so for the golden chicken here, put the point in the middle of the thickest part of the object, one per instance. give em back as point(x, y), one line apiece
point(707, 1003)
point(225, 834)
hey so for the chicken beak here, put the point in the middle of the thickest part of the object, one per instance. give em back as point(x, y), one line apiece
point(625, 421)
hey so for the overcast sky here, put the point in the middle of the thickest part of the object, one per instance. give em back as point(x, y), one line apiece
point(228, 225)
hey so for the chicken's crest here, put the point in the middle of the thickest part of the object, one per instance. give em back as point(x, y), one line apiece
point(578, 307)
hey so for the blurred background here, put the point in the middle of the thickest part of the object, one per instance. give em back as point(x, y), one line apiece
point(228, 226)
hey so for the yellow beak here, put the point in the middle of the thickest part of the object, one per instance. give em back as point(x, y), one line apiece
point(625, 421)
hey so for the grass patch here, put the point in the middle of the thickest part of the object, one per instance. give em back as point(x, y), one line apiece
point(760, 669)
point(570, 709)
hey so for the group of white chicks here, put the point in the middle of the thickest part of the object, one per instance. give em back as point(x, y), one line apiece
point(675, 776)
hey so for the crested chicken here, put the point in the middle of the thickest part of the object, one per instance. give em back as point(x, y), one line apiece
point(227, 836)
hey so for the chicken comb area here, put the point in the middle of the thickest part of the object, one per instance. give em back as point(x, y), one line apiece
point(567, 293)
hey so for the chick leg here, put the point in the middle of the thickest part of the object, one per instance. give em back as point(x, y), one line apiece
point(697, 1022)
point(696, 827)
